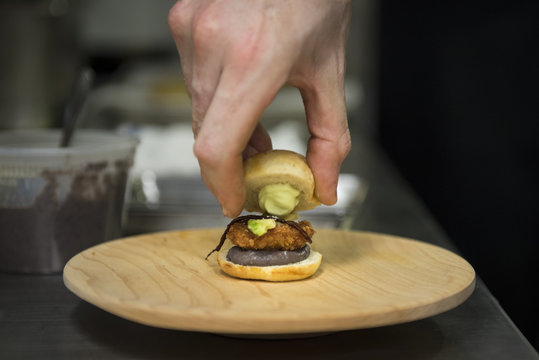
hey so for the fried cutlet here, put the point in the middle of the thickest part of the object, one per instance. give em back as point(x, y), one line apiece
point(282, 237)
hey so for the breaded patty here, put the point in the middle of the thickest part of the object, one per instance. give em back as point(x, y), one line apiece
point(282, 237)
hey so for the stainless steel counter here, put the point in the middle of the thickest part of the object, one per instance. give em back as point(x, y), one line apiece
point(41, 319)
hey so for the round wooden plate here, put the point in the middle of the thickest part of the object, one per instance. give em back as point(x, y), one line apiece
point(365, 280)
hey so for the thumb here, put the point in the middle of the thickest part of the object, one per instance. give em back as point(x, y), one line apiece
point(330, 141)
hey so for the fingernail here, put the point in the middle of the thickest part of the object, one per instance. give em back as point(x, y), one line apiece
point(226, 212)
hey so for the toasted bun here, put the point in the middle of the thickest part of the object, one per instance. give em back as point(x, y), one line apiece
point(295, 271)
point(279, 167)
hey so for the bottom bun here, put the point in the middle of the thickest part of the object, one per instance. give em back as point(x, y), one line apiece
point(295, 271)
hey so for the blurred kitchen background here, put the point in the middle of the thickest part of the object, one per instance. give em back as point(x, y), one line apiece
point(448, 90)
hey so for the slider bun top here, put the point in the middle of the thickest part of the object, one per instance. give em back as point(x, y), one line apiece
point(279, 167)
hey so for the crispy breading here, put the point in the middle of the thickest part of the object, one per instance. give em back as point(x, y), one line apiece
point(282, 237)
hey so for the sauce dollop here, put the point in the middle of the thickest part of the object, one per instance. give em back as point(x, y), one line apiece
point(278, 199)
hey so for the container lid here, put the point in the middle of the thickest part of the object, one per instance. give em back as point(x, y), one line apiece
point(39, 147)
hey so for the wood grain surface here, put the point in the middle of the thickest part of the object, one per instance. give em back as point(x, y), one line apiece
point(365, 280)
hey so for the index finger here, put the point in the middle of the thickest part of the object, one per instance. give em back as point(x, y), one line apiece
point(230, 120)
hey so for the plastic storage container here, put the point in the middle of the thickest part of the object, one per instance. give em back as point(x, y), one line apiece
point(55, 202)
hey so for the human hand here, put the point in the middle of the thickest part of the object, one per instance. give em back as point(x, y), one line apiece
point(235, 56)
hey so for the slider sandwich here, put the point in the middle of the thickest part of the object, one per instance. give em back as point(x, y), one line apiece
point(272, 245)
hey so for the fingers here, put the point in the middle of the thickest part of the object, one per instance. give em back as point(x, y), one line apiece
point(196, 28)
point(226, 103)
point(230, 124)
point(209, 55)
point(320, 78)
point(330, 137)
point(180, 23)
